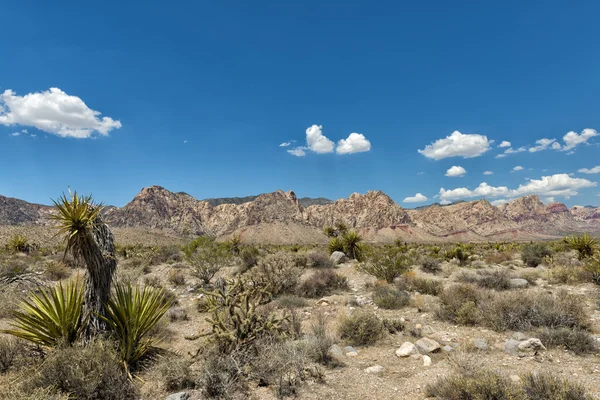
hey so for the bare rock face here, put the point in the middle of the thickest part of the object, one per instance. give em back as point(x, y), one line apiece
point(585, 213)
point(19, 212)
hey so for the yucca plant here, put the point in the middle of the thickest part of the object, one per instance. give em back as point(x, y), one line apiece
point(18, 244)
point(351, 240)
point(79, 219)
point(329, 231)
point(132, 312)
point(336, 244)
point(585, 245)
point(51, 317)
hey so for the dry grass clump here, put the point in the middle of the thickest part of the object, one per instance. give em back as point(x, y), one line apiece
point(291, 301)
point(175, 373)
point(390, 297)
point(318, 342)
point(575, 340)
point(431, 265)
point(177, 277)
point(10, 348)
point(547, 386)
point(322, 283)
point(533, 254)
point(318, 259)
point(518, 310)
point(499, 257)
point(86, 372)
point(361, 328)
point(56, 270)
point(566, 275)
point(410, 281)
point(497, 279)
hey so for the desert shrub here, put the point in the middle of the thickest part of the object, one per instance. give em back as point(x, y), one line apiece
point(393, 325)
point(361, 328)
point(56, 270)
point(14, 271)
point(153, 281)
point(461, 252)
point(431, 265)
point(249, 256)
point(390, 298)
point(479, 385)
point(499, 257)
point(322, 283)
point(164, 255)
point(387, 262)
point(207, 260)
point(318, 342)
point(131, 314)
point(575, 340)
point(524, 310)
point(319, 259)
point(176, 277)
point(351, 242)
point(566, 275)
point(592, 269)
point(497, 279)
point(432, 287)
point(222, 377)
point(177, 314)
point(291, 301)
point(459, 304)
point(277, 273)
point(18, 244)
point(585, 244)
point(542, 386)
point(335, 244)
point(9, 350)
point(176, 374)
point(86, 372)
point(51, 317)
point(533, 254)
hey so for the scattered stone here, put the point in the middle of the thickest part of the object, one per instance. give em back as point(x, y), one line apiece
point(335, 351)
point(426, 345)
point(447, 349)
point(511, 346)
point(480, 343)
point(375, 370)
point(178, 396)
point(515, 378)
point(426, 361)
point(337, 257)
point(531, 345)
point(519, 336)
point(518, 283)
point(406, 349)
point(323, 302)
point(428, 330)
point(350, 351)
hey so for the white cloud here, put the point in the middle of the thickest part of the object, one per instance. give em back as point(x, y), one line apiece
point(542, 144)
point(555, 146)
point(595, 170)
point(549, 200)
point(550, 186)
point(55, 112)
point(316, 141)
point(518, 168)
point(185, 141)
point(355, 143)
point(504, 144)
point(417, 198)
point(457, 145)
point(510, 150)
point(420, 173)
point(456, 171)
point(499, 202)
point(445, 202)
point(15, 134)
point(572, 139)
point(488, 173)
point(298, 152)
point(285, 144)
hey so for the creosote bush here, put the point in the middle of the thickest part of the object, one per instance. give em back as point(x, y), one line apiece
point(319, 259)
point(322, 283)
point(390, 297)
point(208, 259)
point(575, 340)
point(361, 328)
point(533, 254)
point(497, 279)
point(277, 273)
point(431, 265)
point(387, 262)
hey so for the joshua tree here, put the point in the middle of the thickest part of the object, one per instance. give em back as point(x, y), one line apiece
point(88, 238)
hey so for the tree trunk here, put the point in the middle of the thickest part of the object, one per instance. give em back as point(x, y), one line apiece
point(100, 262)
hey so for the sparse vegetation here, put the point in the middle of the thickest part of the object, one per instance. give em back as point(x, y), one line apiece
point(389, 297)
point(9, 350)
point(497, 279)
point(387, 263)
point(533, 254)
point(361, 328)
point(208, 259)
point(575, 340)
point(18, 244)
point(431, 265)
point(322, 283)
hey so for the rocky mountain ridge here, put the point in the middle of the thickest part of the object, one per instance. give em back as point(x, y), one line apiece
point(280, 217)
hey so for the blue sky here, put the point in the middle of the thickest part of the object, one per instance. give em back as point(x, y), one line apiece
point(199, 96)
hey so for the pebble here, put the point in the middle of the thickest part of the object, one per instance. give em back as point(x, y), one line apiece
point(375, 370)
point(480, 343)
point(426, 361)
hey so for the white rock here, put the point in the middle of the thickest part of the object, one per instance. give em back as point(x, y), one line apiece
point(375, 370)
point(337, 257)
point(426, 345)
point(426, 361)
point(406, 349)
point(532, 344)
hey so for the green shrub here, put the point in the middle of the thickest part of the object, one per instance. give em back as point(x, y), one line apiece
point(277, 273)
point(390, 298)
point(432, 287)
point(18, 244)
point(498, 279)
point(322, 283)
point(361, 328)
point(460, 252)
point(585, 245)
point(335, 244)
point(575, 340)
point(249, 256)
point(387, 263)
point(88, 372)
point(480, 385)
point(431, 265)
point(592, 269)
point(544, 386)
point(291, 301)
point(533, 254)
point(207, 260)
point(459, 304)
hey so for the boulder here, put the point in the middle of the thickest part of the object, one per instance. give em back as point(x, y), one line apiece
point(518, 283)
point(350, 351)
point(375, 370)
point(532, 345)
point(337, 257)
point(178, 396)
point(406, 349)
point(426, 345)
point(335, 351)
point(511, 346)
point(480, 343)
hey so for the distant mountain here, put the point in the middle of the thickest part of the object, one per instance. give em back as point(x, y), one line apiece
point(280, 217)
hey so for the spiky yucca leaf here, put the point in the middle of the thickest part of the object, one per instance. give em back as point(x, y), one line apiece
point(131, 313)
point(586, 245)
point(351, 240)
point(75, 217)
point(51, 317)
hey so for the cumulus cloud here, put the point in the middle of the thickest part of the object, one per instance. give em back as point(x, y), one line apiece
point(318, 142)
point(55, 112)
point(457, 145)
point(595, 170)
point(510, 150)
point(572, 139)
point(456, 171)
point(355, 143)
point(504, 144)
point(417, 198)
point(488, 173)
point(542, 144)
point(286, 144)
point(499, 202)
point(298, 152)
point(549, 186)
point(518, 168)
